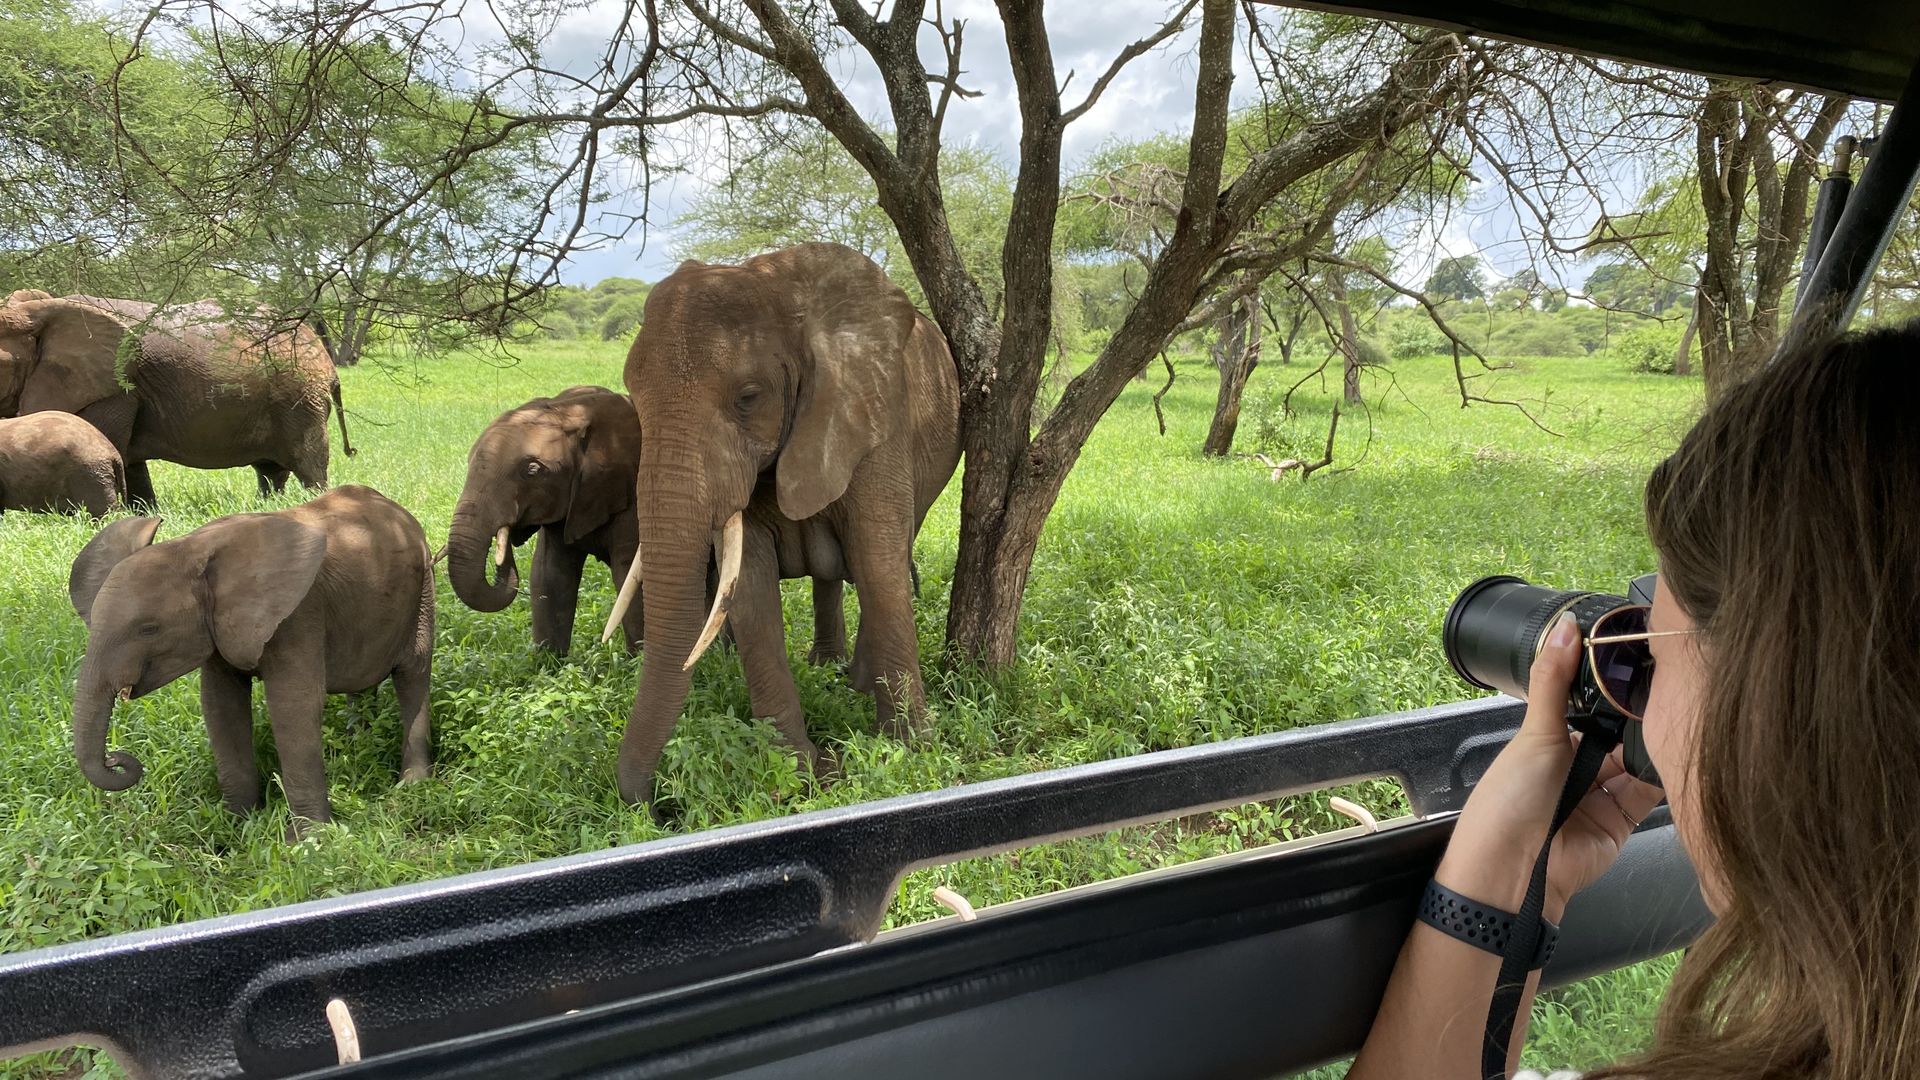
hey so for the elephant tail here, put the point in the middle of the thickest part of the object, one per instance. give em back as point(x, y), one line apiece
point(340, 411)
point(120, 479)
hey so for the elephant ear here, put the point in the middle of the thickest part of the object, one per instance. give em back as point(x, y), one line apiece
point(21, 296)
point(258, 569)
point(854, 325)
point(606, 453)
point(78, 359)
point(101, 555)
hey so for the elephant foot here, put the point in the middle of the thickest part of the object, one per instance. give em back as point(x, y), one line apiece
point(823, 655)
point(414, 774)
point(242, 805)
point(825, 765)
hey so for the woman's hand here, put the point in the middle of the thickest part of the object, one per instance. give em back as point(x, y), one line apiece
point(1505, 820)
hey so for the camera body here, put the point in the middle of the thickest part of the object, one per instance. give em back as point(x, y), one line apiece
point(1497, 625)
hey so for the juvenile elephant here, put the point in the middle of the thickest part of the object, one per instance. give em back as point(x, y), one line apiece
point(562, 466)
point(209, 391)
point(332, 596)
point(59, 463)
point(800, 417)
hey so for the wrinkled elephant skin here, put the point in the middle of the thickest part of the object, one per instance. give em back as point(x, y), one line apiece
point(333, 596)
point(798, 416)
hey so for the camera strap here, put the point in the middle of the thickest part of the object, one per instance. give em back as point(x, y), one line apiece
point(1524, 939)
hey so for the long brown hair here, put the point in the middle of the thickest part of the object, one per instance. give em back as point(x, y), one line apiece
point(1788, 527)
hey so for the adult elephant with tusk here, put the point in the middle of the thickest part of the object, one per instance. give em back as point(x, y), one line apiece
point(799, 417)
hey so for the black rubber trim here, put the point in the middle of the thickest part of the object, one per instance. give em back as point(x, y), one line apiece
point(1864, 50)
point(1252, 968)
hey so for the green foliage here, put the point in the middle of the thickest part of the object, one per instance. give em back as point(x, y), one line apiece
point(622, 318)
point(1648, 347)
point(1457, 278)
point(1536, 334)
point(1415, 335)
point(1634, 286)
point(559, 326)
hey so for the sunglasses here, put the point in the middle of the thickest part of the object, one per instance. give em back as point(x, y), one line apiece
point(1621, 659)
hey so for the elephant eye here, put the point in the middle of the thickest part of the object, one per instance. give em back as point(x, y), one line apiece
point(148, 629)
point(745, 399)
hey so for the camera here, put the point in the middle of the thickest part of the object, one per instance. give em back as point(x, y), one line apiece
point(1497, 624)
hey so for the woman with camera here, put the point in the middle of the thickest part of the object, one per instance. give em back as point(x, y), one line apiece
point(1778, 691)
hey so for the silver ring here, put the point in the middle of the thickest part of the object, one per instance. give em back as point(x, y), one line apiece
point(1615, 800)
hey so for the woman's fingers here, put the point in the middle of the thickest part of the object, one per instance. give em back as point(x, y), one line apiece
point(1549, 680)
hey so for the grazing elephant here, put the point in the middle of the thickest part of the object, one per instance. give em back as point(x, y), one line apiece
point(207, 390)
point(562, 466)
point(332, 596)
point(799, 417)
point(59, 463)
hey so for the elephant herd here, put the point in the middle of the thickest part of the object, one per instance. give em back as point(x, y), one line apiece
point(790, 417)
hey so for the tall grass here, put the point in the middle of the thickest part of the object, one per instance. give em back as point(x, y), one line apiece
point(1174, 600)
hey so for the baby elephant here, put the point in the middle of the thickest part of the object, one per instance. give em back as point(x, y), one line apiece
point(58, 463)
point(332, 596)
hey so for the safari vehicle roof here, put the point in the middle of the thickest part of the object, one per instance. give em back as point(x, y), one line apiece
point(752, 950)
point(1864, 49)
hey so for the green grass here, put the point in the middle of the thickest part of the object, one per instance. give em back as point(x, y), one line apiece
point(1174, 600)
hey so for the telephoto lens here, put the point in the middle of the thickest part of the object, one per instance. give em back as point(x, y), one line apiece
point(1498, 624)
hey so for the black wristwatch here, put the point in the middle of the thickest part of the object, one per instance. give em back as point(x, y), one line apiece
point(1482, 926)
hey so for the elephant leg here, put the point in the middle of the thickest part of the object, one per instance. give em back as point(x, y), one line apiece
point(555, 589)
point(888, 649)
point(413, 684)
point(309, 464)
point(139, 486)
point(226, 700)
point(296, 704)
point(273, 479)
point(829, 623)
point(760, 633)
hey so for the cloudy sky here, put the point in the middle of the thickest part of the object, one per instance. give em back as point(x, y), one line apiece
point(1154, 94)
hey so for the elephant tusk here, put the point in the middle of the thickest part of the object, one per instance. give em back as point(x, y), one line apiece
point(625, 600)
point(500, 546)
point(732, 539)
point(126, 693)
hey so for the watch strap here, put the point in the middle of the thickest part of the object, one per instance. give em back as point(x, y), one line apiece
point(1482, 926)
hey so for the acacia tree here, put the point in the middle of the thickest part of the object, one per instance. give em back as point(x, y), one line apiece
point(736, 70)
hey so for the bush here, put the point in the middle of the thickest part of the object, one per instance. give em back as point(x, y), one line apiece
point(1649, 347)
point(559, 326)
point(1538, 336)
point(1371, 354)
point(1414, 336)
point(623, 318)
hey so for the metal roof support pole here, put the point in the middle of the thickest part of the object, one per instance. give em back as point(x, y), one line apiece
point(1840, 281)
point(1826, 210)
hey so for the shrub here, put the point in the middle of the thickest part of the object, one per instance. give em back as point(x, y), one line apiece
point(1538, 336)
point(1414, 336)
point(1371, 354)
point(623, 318)
point(559, 326)
point(1649, 347)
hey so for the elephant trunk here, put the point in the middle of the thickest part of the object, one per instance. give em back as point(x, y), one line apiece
point(92, 711)
point(676, 536)
point(470, 544)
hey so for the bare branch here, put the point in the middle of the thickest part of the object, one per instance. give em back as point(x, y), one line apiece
point(1172, 26)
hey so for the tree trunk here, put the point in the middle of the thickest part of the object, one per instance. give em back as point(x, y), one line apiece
point(1737, 171)
point(1236, 354)
point(1683, 356)
point(1349, 336)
